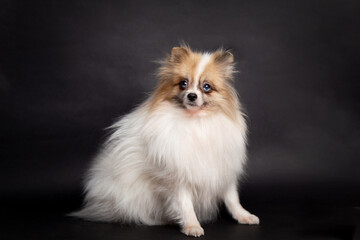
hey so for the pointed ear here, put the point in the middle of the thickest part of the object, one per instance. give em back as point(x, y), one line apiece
point(224, 57)
point(226, 60)
point(177, 54)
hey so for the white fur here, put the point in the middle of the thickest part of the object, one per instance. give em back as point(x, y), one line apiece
point(205, 59)
point(164, 165)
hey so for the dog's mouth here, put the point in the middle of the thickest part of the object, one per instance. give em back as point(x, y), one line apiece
point(194, 107)
point(191, 104)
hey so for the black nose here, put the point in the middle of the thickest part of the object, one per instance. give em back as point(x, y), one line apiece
point(192, 97)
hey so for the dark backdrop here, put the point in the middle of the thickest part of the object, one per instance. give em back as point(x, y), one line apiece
point(68, 69)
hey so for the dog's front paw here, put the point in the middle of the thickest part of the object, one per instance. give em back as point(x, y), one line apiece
point(250, 219)
point(193, 231)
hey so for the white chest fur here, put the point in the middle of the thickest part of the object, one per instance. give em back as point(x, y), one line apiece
point(205, 151)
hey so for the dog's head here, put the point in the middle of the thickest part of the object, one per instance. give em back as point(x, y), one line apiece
point(198, 82)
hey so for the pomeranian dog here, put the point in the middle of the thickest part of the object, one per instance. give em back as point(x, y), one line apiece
point(179, 154)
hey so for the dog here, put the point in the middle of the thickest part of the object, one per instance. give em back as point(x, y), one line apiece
point(179, 154)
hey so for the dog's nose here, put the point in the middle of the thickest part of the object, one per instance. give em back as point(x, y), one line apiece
point(192, 97)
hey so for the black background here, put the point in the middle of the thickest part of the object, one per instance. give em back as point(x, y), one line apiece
point(70, 68)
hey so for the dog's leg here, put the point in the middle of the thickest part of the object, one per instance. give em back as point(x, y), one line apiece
point(232, 202)
point(188, 220)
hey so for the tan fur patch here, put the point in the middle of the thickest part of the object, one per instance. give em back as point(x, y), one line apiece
point(182, 64)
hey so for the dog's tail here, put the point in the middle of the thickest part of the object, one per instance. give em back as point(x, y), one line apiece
point(92, 213)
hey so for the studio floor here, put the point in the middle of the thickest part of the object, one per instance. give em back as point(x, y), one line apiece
point(45, 218)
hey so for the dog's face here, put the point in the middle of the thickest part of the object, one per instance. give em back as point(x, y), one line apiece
point(197, 82)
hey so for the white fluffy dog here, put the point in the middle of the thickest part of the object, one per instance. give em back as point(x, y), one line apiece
point(176, 156)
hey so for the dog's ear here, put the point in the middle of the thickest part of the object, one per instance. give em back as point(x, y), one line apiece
point(226, 60)
point(224, 57)
point(178, 53)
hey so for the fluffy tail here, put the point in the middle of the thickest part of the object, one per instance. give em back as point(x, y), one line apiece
point(98, 214)
point(92, 213)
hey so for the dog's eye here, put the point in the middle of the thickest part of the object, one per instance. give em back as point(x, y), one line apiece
point(206, 87)
point(183, 84)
